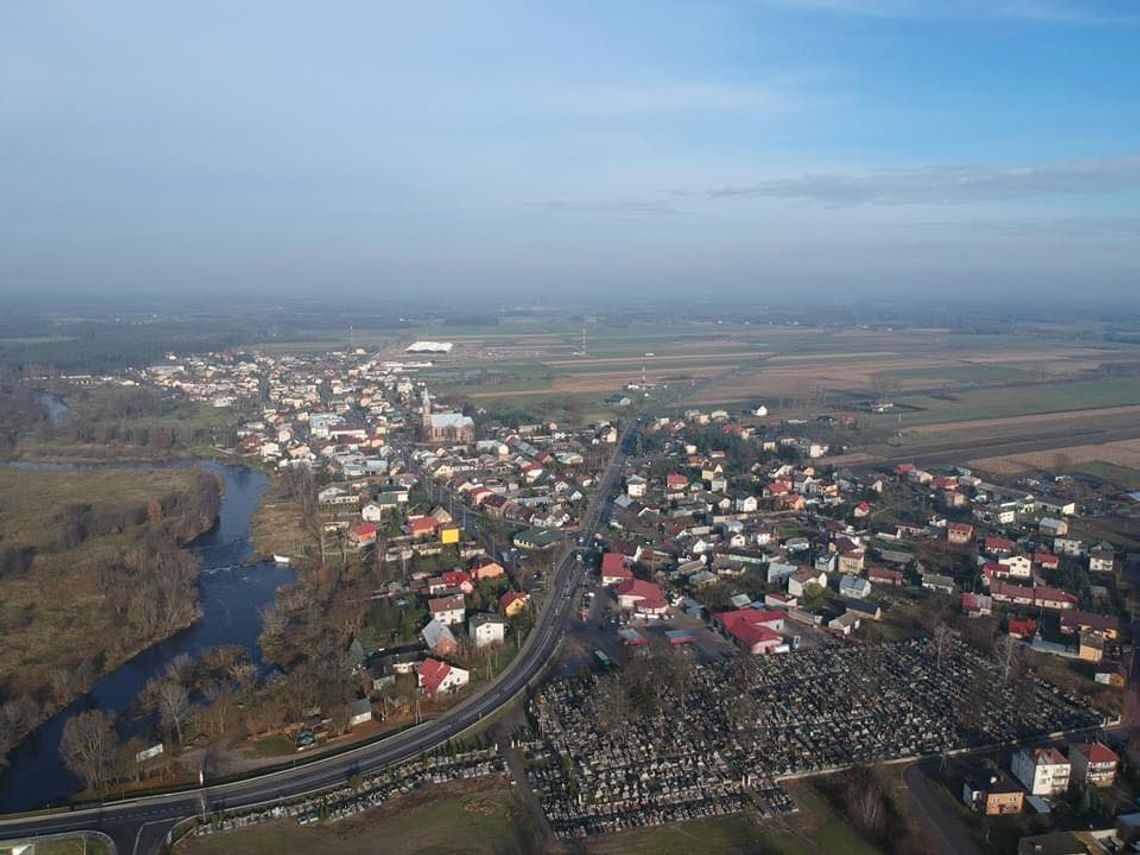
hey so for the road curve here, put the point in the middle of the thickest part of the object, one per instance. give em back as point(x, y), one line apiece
point(139, 825)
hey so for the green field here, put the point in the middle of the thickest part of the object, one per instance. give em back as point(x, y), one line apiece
point(1011, 401)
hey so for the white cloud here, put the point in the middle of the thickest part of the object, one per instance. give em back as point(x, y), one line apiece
point(944, 184)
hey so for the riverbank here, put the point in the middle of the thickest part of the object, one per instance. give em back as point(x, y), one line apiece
point(278, 527)
point(78, 568)
point(232, 590)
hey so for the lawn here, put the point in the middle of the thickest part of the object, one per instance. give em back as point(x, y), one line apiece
point(78, 845)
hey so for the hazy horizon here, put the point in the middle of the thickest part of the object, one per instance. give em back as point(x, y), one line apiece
point(747, 149)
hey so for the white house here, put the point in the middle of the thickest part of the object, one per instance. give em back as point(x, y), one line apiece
point(1102, 561)
point(854, 587)
point(486, 629)
point(448, 610)
point(1094, 763)
point(359, 712)
point(805, 578)
point(1042, 771)
point(1019, 566)
point(1068, 546)
point(435, 677)
point(372, 512)
point(635, 487)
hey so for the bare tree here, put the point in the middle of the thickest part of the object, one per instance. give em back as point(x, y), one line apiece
point(174, 708)
point(89, 746)
point(941, 634)
point(17, 717)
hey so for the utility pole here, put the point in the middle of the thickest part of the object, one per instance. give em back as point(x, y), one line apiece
point(202, 788)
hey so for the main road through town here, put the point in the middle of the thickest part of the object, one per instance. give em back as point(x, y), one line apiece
point(140, 825)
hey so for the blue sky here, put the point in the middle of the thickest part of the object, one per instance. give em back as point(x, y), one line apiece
point(669, 146)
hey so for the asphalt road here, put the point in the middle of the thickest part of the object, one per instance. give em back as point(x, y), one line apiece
point(140, 825)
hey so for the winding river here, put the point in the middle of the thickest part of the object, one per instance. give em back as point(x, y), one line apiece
point(232, 595)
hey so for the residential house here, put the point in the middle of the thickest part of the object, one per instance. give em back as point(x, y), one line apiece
point(448, 610)
point(514, 603)
point(999, 546)
point(436, 677)
point(421, 526)
point(488, 570)
point(863, 608)
point(845, 623)
point(1042, 771)
point(938, 582)
point(753, 630)
point(994, 794)
point(883, 576)
point(635, 487)
point(1093, 763)
point(486, 630)
point(778, 570)
point(1022, 628)
point(359, 712)
point(1102, 560)
point(641, 597)
point(1052, 527)
point(1069, 546)
point(851, 561)
point(613, 570)
point(439, 638)
point(362, 535)
point(1017, 566)
point(804, 578)
point(1107, 626)
point(854, 587)
point(977, 605)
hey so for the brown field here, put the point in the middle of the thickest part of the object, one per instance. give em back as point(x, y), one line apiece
point(800, 375)
point(637, 361)
point(603, 382)
point(1125, 453)
point(1016, 424)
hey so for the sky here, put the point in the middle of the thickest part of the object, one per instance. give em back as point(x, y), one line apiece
point(545, 151)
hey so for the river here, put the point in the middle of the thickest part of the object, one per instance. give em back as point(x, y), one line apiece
point(232, 596)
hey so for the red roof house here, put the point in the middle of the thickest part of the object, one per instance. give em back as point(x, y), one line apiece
point(422, 526)
point(755, 630)
point(363, 534)
point(614, 569)
point(1022, 627)
point(641, 596)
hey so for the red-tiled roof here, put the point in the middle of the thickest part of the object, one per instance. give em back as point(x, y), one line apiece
point(613, 566)
point(445, 604)
point(649, 596)
point(1097, 752)
point(432, 674)
point(511, 596)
